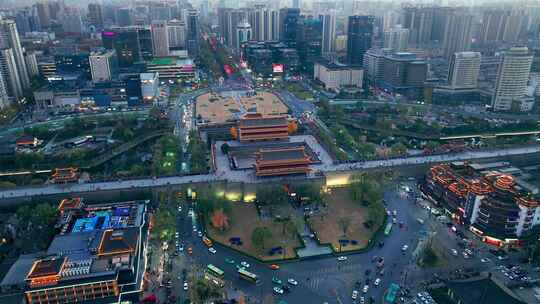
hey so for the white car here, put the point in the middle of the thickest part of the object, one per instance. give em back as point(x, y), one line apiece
point(244, 264)
point(199, 233)
point(342, 258)
point(377, 282)
point(454, 252)
point(365, 289)
point(179, 209)
point(185, 286)
point(404, 248)
point(177, 234)
point(278, 290)
point(292, 281)
point(485, 260)
point(354, 294)
point(212, 250)
point(362, 300)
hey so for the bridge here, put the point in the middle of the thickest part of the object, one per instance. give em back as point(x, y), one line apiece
point(248, 176)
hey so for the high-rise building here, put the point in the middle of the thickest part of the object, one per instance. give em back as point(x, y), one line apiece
point(296, 4)
point(160, 38)
point(43, 14)
point(95, 15)
point(160, 11)
point(512, 78)
point(72, 23)
point(374, 64)
point(390, 20)
point(24, 22)
point(404, 73)
point(328, 32)
point(228, 21)
point(31, 64)
point(177, 34)
point(396, 38)
point(243, 32)
point(9, 38)
point(288, 25)
point(359, 38)
point(125, 42)
point(440, 21)
point(123, 16)
point(145, 41)
point(10, 74)
point(492, 28)
point(264, 23)
point(515, 26)
point(458, 33)
point(102, 65)
point(419, 21)
point(464, 69)
point(309, 43)
point(4, 98)
point(192, 37)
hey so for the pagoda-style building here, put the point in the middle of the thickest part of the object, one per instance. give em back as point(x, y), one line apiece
point(281, 161)
point(256, 126)
point(65, 175)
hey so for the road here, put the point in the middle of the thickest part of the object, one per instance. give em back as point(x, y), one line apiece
point(320, 279)
point(53, 189)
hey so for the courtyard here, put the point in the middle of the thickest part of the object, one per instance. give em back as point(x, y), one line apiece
point(214, 108)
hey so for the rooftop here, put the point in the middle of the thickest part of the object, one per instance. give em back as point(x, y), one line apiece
point(296, 153)
point(481, 291)
point(257, 120)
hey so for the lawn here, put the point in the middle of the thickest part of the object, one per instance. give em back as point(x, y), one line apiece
point(299, 91)
point(243, 219)
point(328, 228)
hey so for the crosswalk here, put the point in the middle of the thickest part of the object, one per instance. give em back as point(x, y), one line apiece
point(347, 273)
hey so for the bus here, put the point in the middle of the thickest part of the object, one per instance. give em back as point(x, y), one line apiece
point(388, 228)
point(213, 270)
point(391, 293)
point(248, 276)
point(207, 241)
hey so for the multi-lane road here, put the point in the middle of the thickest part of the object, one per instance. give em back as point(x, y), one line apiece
point(323, 279)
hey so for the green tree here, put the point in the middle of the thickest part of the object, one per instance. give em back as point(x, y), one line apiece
point(164, 223)
point(344, 222)
point(273, 194)
point(260, 237)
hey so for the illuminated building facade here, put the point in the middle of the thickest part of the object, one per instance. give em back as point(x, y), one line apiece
point(97, 257)
point(65, 175)
point(281, 161)
point(255, 126)
point(496, 206)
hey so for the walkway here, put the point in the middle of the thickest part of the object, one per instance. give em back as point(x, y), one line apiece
point(247, 175)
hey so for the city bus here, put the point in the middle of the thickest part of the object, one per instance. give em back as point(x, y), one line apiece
point(388, 228)
point(248, 276)
point(216, 272)
point(207, 241)
point(391, 293)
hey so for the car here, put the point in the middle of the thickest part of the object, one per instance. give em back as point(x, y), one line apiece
point(354, 294)
point(465, 255)
point(278, 290)
point(199, 233)
point(454, 252)
point(177, 234)
point(186, 286)
point(274, 267)
point(342, 258)
point(244, 264)
point(229, 261)
point(485, 260)
point(194, 229)
point(362, 300)
point(377, 282)
point(365, 289)
point(286, 288)
point(212, 250)
point(292, 281)
point(276, 280)
point(181, 248)
point(404, 248)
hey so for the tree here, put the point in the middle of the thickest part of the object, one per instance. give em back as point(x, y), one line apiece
point(164, 223)
point(274, 194)
point(398, 149)
point(344, 222)
point(260, 237)
point(225, 148)
point(219, 220)
point(376, 213)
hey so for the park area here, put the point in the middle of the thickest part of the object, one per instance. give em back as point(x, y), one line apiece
point(246, 225)
point(346, 224)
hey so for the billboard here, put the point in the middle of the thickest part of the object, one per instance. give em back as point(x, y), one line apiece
point(277, 68)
